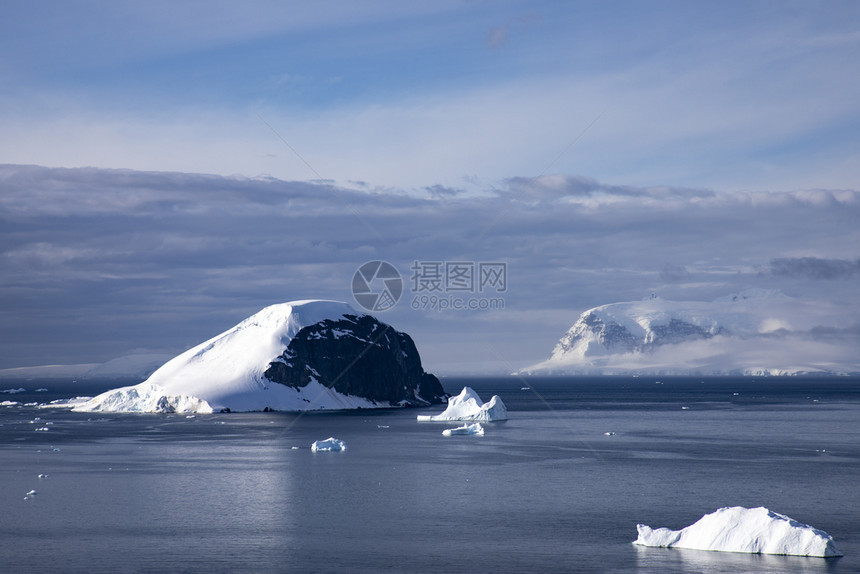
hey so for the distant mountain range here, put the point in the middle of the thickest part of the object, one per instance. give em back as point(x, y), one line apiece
point(755, 332)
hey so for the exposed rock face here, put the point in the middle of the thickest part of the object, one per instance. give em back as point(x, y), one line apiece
point(357, 355)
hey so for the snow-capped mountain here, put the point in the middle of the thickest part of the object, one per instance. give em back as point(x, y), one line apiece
point(302, 355)
point(753, 332)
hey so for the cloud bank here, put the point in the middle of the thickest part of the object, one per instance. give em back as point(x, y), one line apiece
point(96, 263)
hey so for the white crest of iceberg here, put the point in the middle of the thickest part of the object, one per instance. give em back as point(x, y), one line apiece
point(468, 406)
point(474, 429)
point(330, 444)
point(748, 530)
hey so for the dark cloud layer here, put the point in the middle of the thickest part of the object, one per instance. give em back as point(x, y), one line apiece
point(815, 267)
point(96, 262)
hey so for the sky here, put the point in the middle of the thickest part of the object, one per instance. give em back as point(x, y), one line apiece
point(170, 168)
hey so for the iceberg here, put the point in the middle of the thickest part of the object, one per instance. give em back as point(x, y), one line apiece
point(748, 530)
point(467, 406)
point(474, 429)
point(330, 444)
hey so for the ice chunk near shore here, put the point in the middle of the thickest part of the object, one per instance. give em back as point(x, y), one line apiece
point(467, 406)
point(739, 529)
point(143, 398)
point(473, 429)
point(330, 444)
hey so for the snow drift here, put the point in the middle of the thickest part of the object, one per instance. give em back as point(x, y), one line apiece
point(739, 529)
point(468, 406)
point(297, 356)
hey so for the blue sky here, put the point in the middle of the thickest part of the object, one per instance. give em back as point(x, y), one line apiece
point(723, 95)
point(602, 149)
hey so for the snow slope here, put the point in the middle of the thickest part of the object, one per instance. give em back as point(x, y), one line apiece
point(755, 332)
point(226, 372)
point(468, 406)
point(739, 529)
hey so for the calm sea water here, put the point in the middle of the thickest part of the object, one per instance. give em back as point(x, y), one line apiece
point(546, 491)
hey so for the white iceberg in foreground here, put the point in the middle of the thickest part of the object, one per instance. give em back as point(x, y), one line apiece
point(144, 398)
point(473, 429)
point(467, 406)
point(739, 529)
point(330, 444)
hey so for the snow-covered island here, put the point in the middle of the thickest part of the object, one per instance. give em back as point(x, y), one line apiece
point(468, 406)
point(748, 530)
point(303, 355)
point(755, 332)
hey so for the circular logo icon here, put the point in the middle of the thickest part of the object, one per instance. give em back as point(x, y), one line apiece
point(377, 286)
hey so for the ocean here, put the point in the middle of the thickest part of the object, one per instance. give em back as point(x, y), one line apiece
point(559, 487)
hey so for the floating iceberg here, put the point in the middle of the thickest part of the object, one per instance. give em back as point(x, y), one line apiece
point(472, 429)
point(467, 406)
point(739, 529)
point(143, 398)
point(330, 444)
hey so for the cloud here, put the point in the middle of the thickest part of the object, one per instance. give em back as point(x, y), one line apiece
point(815, 267)
point(95, 262)
point(498, 37)
point(747, 97)
point(674, 273)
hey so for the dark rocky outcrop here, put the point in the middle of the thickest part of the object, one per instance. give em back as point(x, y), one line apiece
point(360, 356)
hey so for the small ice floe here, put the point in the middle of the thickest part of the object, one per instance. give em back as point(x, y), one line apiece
point(330, 444)
point(383, 426)
point(42, 429)
point(191, 417)
point(32, 493)
point(55, 449)
point(294, 448)
point(9, 404)
point(525, 388)
point(748, 530)
point(685, 408)
point(735, 394)
point(42, 476)
point(14, 391)
point(609, 433)
point(42, 390)
point(474, 429)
